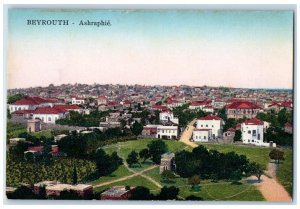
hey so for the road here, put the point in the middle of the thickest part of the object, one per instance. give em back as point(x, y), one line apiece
point(270, 188)
point(187, 134)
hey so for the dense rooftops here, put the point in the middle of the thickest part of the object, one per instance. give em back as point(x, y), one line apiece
point(242, 105)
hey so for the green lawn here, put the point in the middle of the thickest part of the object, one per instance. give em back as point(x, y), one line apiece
point(285, 171)
point(46, 133)
point(134, 181)
point(256, 154)
point(120, 172)
point(222, 190)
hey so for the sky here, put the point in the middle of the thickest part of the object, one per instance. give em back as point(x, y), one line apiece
point(245, 49)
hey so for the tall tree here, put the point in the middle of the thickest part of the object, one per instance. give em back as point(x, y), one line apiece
point(132, 158)
point(137, 128)
point(144, 154)
point(276, 155)
point(156, 149)
point(74, 176)
point(257, 170)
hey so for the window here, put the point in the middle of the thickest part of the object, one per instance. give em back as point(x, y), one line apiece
point(254, 132)
point(206, 126)
point(249, 132)
point(201, 125)
point(204, 137)
point(49, 118)
point(212, 126)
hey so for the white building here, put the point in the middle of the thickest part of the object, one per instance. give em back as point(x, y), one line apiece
point(77, 100)
point(202, 135)
point(29, 103)
point(212, 122)
point(253, 132)
point(167, 132)
point(49, 115)
point(166, 116)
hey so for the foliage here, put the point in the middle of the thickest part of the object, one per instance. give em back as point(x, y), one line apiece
point(132, 158)
point(194, 180)
point(193, 197)
point(14, 98)
point(238, 135)
point(168, 193)
point(140, 193)
point(168, 175)
point(256, 169)
point(276, 155)
point(106, 164)
point(156, 149)
point(137, 128)
point(22, 192)
point(60, 169)
point(77, 119)
point(212, 164)
point(186, 115)
point(74, 176)
point(144, 154)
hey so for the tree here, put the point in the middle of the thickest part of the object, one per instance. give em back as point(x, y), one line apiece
point(276, 155)
point(193, 197)
point(132, 158)
point(167, 175)
point(282, 117)
point(14, 98)
point(105, 163)
point(194, 181)
point(256, 169)
point(168, 193)
point(74, 176)
point(238, 135)
point(140, 193)
point(144, 154)
point(137, 128)
point(22, 192)
point(156, 149)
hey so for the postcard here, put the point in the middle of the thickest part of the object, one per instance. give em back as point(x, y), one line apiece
point(149, 104)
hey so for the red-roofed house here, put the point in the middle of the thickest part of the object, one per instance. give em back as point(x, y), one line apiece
point(102, 100)
point(29, 103)
point(253, 131)
point(241, 109)
point(205, 105)
point(68, 107)
point(50, 114)
point(212, 122)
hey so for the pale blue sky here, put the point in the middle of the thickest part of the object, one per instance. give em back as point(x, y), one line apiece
point(154, 47)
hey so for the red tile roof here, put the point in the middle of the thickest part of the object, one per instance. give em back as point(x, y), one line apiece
point(66, 107)
point(23, 112)
point(210, 117)
point(36, 148)
point(31, 101)
point(242, 105)
point(202, 129)
point(254, 121)
point(231, 130)
point(49, 110)
point(160, 107)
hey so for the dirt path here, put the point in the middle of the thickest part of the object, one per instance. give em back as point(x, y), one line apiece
point(187, 134)
point(270, 188)
point(125, 177)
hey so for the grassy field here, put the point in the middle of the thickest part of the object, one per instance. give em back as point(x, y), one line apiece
point(285, 171)
point(120, 172)
point(46, 133)
point(134, 181)
point(222, 190)
point(256, 154)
